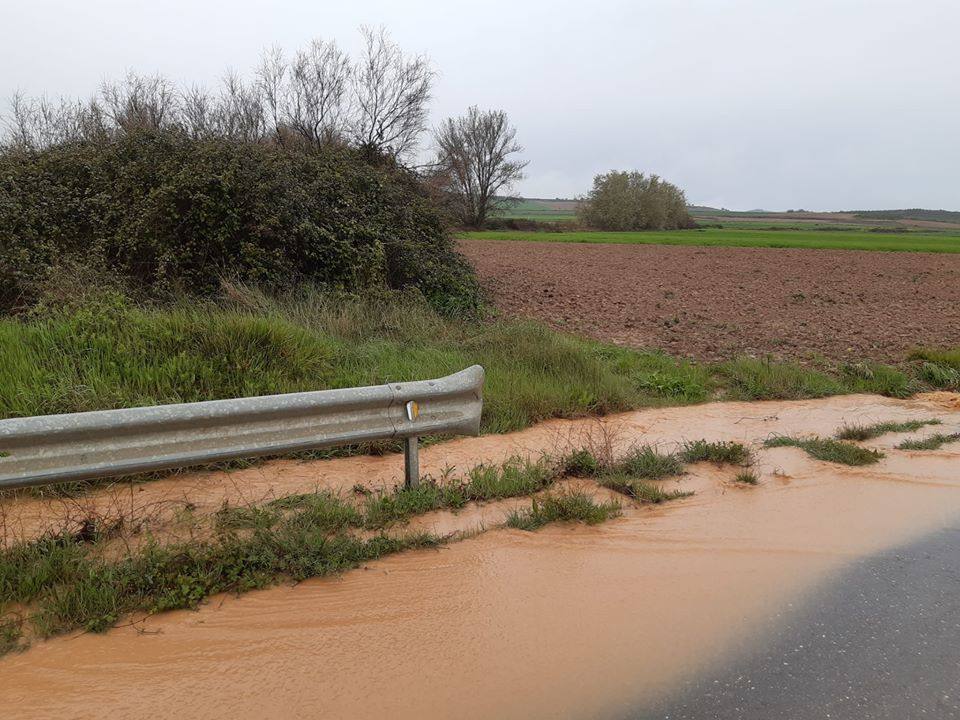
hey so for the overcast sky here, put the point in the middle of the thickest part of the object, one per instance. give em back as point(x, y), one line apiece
point(776, 104)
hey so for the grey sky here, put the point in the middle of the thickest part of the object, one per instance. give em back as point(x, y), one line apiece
point(744, 103)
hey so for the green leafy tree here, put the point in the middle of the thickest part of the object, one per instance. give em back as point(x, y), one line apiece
point(623, 200)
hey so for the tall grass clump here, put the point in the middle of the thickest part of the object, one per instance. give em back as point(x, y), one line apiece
point(835, 451)
point(645, 462)
point(515, 477)
point(868, 432)
point(640, 490)
point(934, 442)
point(573, 506)
point(751, 379)
point(719, 452)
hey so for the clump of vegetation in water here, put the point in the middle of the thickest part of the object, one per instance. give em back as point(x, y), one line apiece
point(721, 453)
point(835, 451)
point(934, 442)
point(868, 432)
point(575, 506)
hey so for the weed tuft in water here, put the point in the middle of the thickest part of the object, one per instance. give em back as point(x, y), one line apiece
point(835, 451)
point(575, 506)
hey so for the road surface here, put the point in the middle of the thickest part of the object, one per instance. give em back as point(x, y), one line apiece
point(882, 640)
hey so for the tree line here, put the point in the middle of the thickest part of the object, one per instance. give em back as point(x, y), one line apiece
point(321, 97)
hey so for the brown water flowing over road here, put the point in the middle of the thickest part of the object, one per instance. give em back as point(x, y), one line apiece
point(565, 622)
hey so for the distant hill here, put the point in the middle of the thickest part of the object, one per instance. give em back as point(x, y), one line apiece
point(949, 216)
point(560, 209)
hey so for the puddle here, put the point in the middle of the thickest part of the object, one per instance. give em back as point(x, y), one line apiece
point(567, 622)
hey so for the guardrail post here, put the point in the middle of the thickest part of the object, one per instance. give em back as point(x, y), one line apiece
point(411, 462)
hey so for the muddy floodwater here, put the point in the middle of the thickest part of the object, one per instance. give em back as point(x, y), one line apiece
point(566, 622)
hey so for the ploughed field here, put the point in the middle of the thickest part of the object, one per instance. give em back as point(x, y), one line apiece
point(718, 302)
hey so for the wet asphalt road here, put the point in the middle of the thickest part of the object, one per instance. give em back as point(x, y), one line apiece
point(882, 640)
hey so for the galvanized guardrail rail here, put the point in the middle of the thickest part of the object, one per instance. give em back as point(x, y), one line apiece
point(108, 443)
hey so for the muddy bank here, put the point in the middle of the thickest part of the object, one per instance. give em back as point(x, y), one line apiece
point(566, 622)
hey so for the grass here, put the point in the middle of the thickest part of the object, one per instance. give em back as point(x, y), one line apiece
point(68, 582)
point(929, 443)
point(868, 432)
point(535, 209)
point(515, 477)
point(92, 592)
point(640, 490)
point(107, 356)
point(721, 453)
point(645, 462)
point(113, 354)
point(11, 634)
point(109, 353)
point(939, 368)
point(746, 477)
point(834, 451)
point(949, 358)
point(945, 242)
point(574, 506)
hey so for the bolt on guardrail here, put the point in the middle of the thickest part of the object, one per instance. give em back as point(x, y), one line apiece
point(109, 443)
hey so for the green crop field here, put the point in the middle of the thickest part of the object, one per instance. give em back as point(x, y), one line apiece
point(543, 210)
point(948, 242)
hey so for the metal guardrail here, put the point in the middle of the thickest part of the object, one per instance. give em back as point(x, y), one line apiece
point(109, 443)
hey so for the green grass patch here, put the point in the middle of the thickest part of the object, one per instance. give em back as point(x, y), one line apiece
point(581, 463)
point(92, 593)
point(642, 491)
point(751, 379)
point(746, 477)
point(11, 634)
point(401, 504)
point(834, 451)
point(245, 518)
point(942, 377)
point(943, 242)
point(515, 477)
point(721, 453)
point(645, 462)
point(949, 358)
point(575, 506)
point(868, 432)
point(934, 442)
point(106, 356)
point(871, 377)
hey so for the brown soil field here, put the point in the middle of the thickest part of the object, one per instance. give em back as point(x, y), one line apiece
point(717, 303)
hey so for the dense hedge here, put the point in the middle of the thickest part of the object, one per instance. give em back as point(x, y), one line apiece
point(170, 214)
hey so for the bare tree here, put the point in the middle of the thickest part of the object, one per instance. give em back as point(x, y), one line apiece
point(474, 154)
point(144, 102)
point(318, 96)
point(197, 112)
point(391, 94)
point(240, 111)
point(271, 83)
point(36, 123)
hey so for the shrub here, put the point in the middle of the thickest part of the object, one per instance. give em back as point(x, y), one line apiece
point(634, 201)
point(169, 214)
